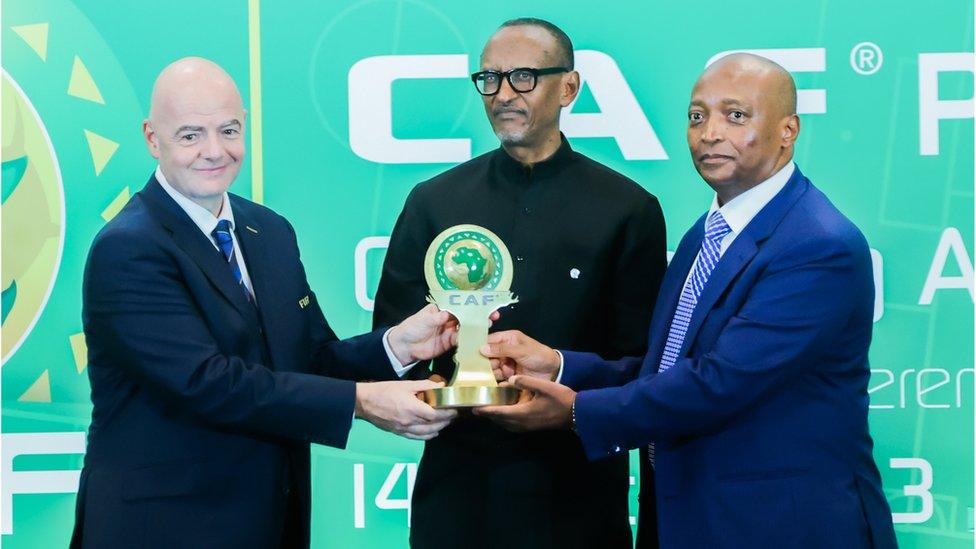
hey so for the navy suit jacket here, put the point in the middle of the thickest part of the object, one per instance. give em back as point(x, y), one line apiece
point(761, 427)
point(204, 405)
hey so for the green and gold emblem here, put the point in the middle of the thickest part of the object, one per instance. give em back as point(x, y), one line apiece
point(469, 273)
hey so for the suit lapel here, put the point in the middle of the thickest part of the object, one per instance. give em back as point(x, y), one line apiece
point(249, 236)
point(262, 267)
point(197, 246)
point(741, 252)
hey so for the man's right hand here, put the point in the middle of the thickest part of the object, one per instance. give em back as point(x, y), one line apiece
point(512, 352)
point(394, 406)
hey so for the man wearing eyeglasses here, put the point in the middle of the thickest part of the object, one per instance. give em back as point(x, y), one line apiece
point(589, 251)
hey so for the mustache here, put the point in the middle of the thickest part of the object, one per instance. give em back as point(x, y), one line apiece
point(502, 109)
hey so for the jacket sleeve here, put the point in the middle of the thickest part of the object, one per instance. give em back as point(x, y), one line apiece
point(358, 358)
point(797, 309)
point(140, 314)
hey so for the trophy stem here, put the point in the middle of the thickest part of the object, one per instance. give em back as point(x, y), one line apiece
point(473, 369)
point(473, 383)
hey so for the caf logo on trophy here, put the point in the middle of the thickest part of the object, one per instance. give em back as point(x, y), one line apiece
point(469, 273)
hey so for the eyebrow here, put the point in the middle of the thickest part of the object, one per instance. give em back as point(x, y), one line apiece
point(724, 103)
point(182, 129)
point(188, 128)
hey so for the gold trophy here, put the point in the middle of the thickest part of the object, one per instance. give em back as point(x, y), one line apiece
point(469, 273)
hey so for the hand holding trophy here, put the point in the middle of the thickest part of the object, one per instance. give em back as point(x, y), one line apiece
point(469, 273)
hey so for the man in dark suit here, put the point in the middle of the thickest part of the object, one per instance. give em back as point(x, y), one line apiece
point(751, 402)
point(208, 351)
point(589, 253)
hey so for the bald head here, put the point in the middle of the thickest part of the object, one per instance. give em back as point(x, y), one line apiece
point(742, 123)
point(776, 82)
point(192, 80)
point(195, 129)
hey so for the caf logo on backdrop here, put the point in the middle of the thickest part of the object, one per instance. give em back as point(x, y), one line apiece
point(33, 216)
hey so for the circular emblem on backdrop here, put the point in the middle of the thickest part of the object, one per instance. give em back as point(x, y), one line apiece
point(468, 257)
point(33, 216)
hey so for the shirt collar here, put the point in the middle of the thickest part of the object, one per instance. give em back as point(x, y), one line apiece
point(549, 166)
point(739, 211)
point(200, 216)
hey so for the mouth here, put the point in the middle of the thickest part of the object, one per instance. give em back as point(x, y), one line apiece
point(212, 171)
point(508, 114)
point(711, 159)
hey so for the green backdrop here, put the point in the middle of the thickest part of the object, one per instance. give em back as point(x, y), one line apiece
point(351, 104)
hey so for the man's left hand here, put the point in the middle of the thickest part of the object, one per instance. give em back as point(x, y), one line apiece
point(551, 407)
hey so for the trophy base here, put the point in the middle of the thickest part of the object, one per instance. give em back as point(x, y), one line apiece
point(470, 397)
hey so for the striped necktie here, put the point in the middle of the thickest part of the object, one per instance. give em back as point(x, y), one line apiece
point(225, 241)
point(716, 230)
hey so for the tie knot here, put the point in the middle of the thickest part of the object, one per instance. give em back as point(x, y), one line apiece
point(716, 228)
point(223, 226)
point(221, 235)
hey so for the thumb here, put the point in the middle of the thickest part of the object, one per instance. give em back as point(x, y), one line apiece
point(532, 384)
point(508, 336)
point(494, 350)
point(420, 385)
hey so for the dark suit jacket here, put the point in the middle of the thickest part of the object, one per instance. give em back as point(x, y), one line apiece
point(204, 405)
point(762, 424)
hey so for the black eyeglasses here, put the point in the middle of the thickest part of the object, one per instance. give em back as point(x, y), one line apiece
point(522, 79)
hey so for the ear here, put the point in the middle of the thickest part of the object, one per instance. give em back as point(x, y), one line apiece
point(570, 88)
point(790, 130)
point(152, 140)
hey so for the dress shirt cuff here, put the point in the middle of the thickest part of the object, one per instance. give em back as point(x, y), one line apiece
point(400, 369)
point(559, 373)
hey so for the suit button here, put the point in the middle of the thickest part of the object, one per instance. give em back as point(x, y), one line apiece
point(519, 258)
point(527, 210)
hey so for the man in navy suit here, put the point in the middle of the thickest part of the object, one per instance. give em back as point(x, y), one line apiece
point(751, 403)
point(208, 352)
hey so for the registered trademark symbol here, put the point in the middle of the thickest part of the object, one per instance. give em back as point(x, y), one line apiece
point(866, 58)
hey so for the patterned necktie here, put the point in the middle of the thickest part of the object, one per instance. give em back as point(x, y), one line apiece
point(222, 236)
point(715, 231)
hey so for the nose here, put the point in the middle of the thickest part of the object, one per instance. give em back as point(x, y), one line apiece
point(505, 92)
point(212, 149)
point(712, 132)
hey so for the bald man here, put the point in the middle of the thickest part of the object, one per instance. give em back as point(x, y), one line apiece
point(208, 352)
point(751, 403)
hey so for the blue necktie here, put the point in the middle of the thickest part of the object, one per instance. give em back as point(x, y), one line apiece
point(225, 241)
point(716, 230)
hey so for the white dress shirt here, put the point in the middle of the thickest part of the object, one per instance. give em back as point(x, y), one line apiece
point(739, 211)
point(205, 220)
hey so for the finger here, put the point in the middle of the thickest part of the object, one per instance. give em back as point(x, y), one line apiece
point(499, 349)
point(420, 385)
point(494, 316)
point(437, 378)
point(507, 336)
point(412, 436)
point(444, 415)
point(505, 411)
point(506, 422)
point(524, 396)
point(426, 428)
point(422, 412)
point(532, 383)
